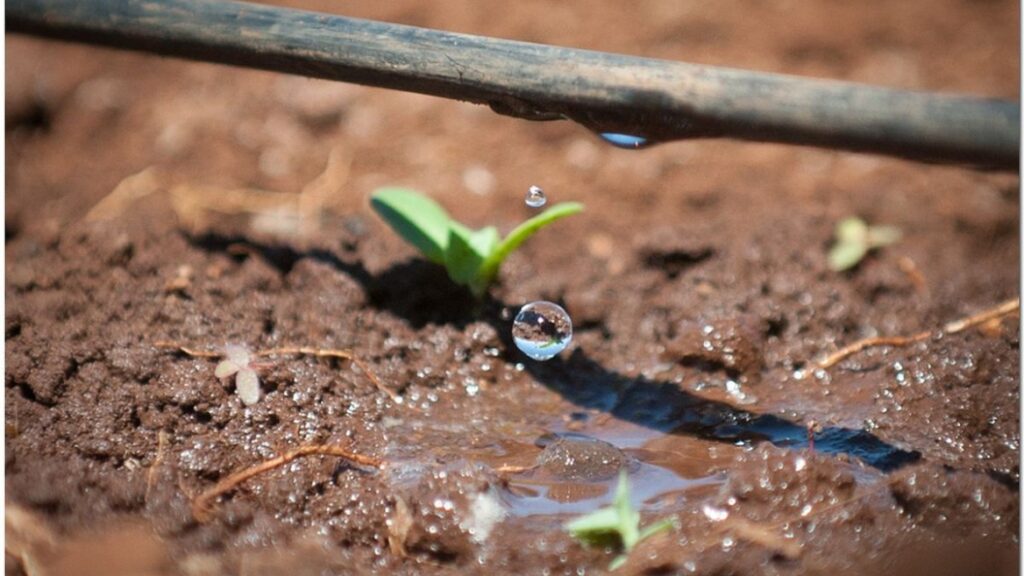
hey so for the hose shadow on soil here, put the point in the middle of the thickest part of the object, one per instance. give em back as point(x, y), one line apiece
point(421, 294)
point(665, 407)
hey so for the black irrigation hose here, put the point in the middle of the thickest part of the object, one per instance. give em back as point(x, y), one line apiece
point(659, 99)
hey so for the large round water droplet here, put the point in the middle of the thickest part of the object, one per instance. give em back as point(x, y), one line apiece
point(542, 330)
point(627, 141)
point(535, 197)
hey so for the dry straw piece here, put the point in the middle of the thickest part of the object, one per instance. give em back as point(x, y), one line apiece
point(1007, 308)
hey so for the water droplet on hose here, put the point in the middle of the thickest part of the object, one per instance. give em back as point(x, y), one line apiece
point(535, 197)
point(626, 141)
point(542, 330)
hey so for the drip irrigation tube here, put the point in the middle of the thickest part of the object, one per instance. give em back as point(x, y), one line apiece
point(658, 99)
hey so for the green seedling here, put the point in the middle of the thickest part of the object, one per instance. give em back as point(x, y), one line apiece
point(471, 257)
point(550, 343)
point(618, 524)
point(854, 239)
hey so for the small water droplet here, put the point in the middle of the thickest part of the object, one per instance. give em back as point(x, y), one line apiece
point(535, 197)
point(542, 329)
point(714, 514)
point(626, 141)
point(734, 389)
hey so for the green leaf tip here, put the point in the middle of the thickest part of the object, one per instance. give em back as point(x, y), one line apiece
point(854, 238)
point(618, 523)
point(515, 238)
point(472, 258)
point(418, 219)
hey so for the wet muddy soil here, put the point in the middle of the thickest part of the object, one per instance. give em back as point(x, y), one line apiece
point(151, 200)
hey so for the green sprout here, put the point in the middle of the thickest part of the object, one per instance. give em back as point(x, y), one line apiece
point(550, 343)
point(854, 239)
point(471, 257)
point(616, 524)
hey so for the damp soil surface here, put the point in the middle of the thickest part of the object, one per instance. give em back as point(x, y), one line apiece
point(151, 200)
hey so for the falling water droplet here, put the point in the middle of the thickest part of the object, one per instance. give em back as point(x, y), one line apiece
point(542, 330)
point(627, 141)
point(535, 197)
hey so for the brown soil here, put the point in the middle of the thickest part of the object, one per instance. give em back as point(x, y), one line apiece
point(696, 279)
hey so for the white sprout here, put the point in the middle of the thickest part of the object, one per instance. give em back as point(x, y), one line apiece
point(236, 362)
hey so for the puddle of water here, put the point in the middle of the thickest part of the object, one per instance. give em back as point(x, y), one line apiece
point(652, 488)
point(574, 474)
point(572, 469)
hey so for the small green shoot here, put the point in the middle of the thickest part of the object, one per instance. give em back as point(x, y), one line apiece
point(616, 524)
point(471, 257)
point(854, 239)
point(550, 343)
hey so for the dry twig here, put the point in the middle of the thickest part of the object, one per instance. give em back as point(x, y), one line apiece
point(909, 267)
point(193, 352)
point(1005, 309)
point(399, 526)
point(195, 205)
point(161, 444)
point(764, 535)
point(293, 350)
point(202, 505)
point(28, 539)
point(129, 190)
point(330, 353)
point(325, 188)
point(513, 469)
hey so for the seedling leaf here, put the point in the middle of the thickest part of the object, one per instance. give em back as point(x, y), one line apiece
point(485, 240)
point(521, 233)
point(854, 239)
point(851, 230)
point(247, 386)
point(618, 522)
point(418, 219)
point(471, 257)
point(879, 236)
point(226, 368)
point(462, 260)
point(237, 354)
point(846, 256)
point(553, 342)
point(663, 525)
point(629, 519)
point(603, 521)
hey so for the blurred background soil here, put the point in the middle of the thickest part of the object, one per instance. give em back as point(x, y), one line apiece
point(151, 199)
